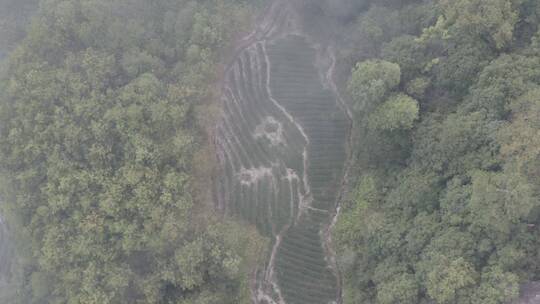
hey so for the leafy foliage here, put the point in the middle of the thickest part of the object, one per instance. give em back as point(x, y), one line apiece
point(446, 203)
point(398, 112)
point(98, 136)
point(371, 81)
point(494, 21)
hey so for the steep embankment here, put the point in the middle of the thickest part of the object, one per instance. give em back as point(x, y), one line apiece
point(282, 148)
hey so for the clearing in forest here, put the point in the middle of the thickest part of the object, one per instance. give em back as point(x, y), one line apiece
point(282, 146)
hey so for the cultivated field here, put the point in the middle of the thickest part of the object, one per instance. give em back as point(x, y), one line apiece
point(282, 149)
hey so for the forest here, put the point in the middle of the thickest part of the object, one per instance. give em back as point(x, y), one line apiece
point(108, 154)
point(103, 108)
point(444, 205)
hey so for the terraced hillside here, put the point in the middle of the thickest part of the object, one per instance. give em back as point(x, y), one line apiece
point(282, 149)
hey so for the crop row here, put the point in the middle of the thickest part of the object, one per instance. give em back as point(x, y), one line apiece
point(302, 271)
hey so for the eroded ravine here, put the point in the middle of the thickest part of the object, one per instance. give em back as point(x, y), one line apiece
point(282, 147)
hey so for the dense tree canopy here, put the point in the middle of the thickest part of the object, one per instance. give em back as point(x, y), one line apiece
point(398, 112)
point(445, 208)
point(491, 20)
point(97, 141)
point(370, 83)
